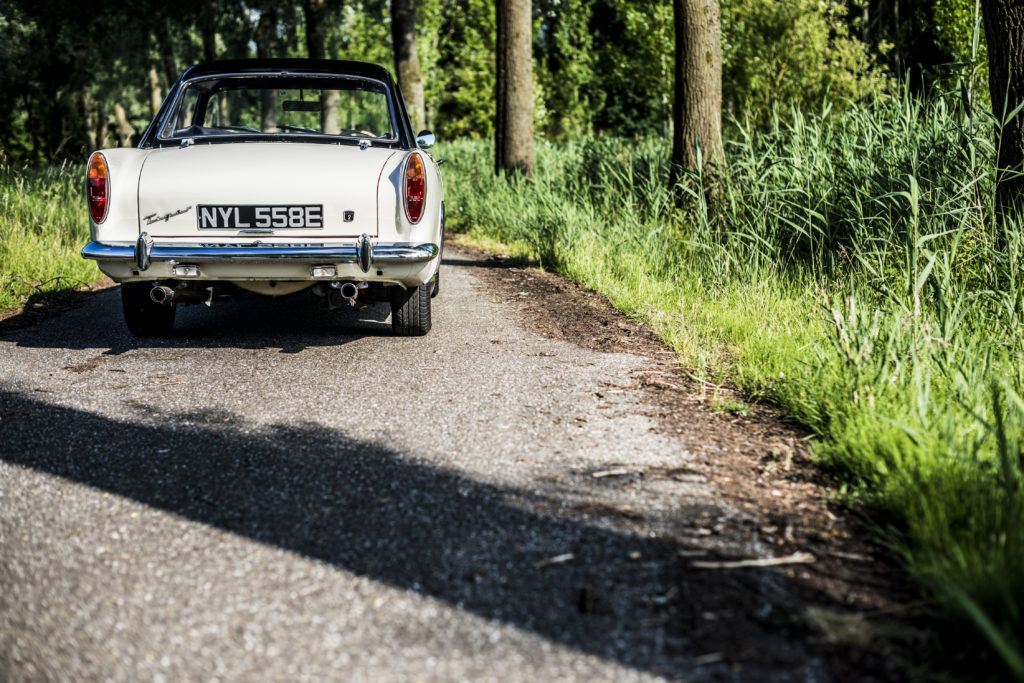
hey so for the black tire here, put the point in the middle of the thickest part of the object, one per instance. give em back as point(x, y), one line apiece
point(143, 316)
point(410, 310)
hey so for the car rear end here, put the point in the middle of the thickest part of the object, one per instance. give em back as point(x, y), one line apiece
point(272, 182)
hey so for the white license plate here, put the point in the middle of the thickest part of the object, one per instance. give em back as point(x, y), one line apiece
point(260, 217)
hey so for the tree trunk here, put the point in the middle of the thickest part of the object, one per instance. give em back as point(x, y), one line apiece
point(329, 112)
point(513, 130)
point(209, 15)
point(224, 109)
point(407, 61)
point(89, 120)
point(154, 88)
point(266, 31)
point(314, 11)
point(124, 130)
point(102, 139)
point(1004, 32)
point(697, 112)
point(167, 56)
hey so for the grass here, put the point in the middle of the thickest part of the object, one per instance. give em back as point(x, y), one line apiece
point(847, 268)
point(43, 227)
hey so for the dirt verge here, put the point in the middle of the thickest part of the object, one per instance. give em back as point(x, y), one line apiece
point(852, 597)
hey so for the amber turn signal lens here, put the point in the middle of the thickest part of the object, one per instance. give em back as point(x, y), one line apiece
point(97, 187)
point(415, 187)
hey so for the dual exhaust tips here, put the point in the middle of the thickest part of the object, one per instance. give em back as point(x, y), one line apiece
point(338, 293)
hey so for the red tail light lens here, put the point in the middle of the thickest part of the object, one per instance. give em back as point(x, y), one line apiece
point(97, 187)
point(415, 187)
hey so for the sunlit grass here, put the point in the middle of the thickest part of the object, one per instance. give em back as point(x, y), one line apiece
point(848, 269)
point(43, 227)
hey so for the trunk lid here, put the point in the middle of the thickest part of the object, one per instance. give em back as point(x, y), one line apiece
point(271, 190)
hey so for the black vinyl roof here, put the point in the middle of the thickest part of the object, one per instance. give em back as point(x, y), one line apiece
point(307, 66)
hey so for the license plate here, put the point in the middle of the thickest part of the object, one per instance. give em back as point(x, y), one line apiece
point(256, 216)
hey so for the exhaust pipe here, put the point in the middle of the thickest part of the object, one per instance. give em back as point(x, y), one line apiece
point(343, 293)
point(162, 295)
point(349, 290)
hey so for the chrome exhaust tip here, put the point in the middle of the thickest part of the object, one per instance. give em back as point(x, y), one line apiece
point(342, 293)
point(349, 290)
point(162, 295)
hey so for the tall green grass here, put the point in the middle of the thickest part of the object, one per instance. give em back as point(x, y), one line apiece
point(847, 268)
point(43, 227)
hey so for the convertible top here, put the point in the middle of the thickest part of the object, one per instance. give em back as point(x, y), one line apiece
point(290, 65)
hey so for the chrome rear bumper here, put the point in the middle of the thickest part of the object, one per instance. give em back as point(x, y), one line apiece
point(145, 251)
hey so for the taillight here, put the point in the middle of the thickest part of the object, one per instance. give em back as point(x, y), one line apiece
point(97, 187)
point(415, 187)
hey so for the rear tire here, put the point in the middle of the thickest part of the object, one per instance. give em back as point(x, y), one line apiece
point(143, 316)
point(410, 310)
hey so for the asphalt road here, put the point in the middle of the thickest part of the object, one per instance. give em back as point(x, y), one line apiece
point(278, 493)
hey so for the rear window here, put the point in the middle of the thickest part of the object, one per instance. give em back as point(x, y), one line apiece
point(322, 107)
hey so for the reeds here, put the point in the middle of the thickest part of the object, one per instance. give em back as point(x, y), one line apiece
point(43, 227)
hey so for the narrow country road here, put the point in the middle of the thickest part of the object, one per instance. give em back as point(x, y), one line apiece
point(274, 492)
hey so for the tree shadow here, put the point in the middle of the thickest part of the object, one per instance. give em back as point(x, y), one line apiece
point(374, 512)
point(482, 262)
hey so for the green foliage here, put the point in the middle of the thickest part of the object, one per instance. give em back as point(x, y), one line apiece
point(599, 65)
point(43, 226)
point(460, 82)
point(959, 31)
point(954, 25)
point(799, 52)
point(633, 59)
point(565, 68)
point(849, 272)
point(363, 34)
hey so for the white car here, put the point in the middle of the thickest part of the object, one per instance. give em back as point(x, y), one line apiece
point(273, 176)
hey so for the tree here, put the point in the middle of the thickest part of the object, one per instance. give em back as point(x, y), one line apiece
point(1004, 26)
point(314, 12)
point(513, 130)
point(264, 36)
point(168, 53)
point(407, 61)
point(209, 14)
point(697, 111)
point(153, 81)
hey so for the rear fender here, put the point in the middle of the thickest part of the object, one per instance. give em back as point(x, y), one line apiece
point(122, 222)
point(393, 224)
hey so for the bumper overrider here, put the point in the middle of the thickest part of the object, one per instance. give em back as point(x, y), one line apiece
point(363, 252)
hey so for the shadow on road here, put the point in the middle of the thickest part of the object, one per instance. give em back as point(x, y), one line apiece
point(248, 321)
point(291, 323)
point(482, 262)
point(370, 511)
